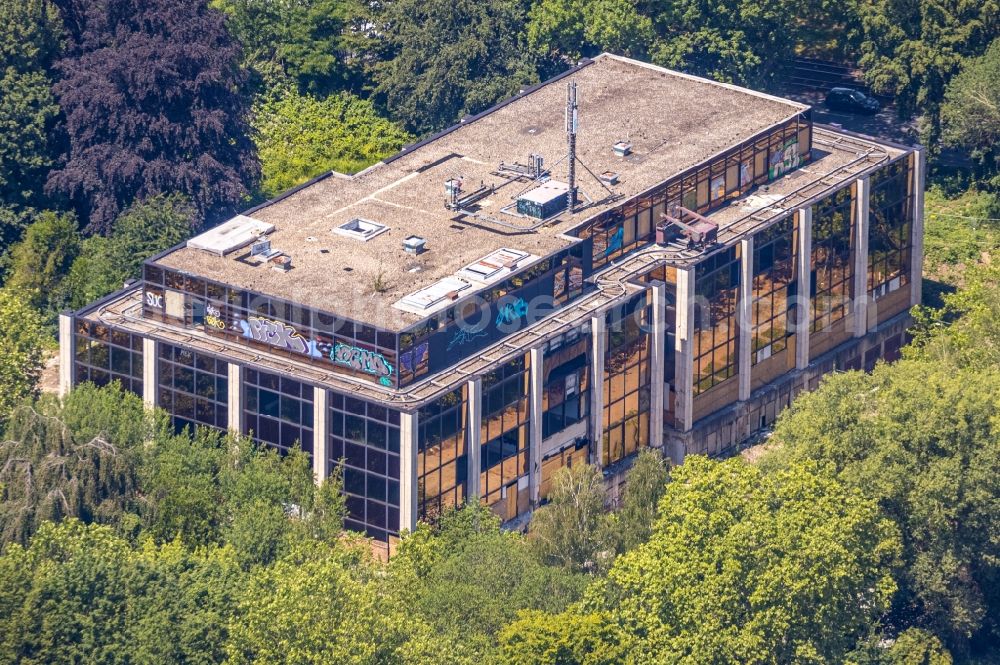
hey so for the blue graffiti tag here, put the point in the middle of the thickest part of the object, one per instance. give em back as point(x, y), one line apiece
point(463, 337)
point(363, 360)
point(512, 311)
point(615, 243)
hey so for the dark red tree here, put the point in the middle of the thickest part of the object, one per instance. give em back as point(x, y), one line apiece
point(152, 96)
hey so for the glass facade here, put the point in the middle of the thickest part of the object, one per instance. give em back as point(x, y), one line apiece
point(832, 264)
point(890, 229)
point(626, 380)
point(281, 327)
point(773, 289)
point(192, 387)
point(716, 284)
point(442, 464)
point(703, 188)
point(105, 354)
point(277, 410)
point(503, 481)
point(566, 382)
point(364, 444)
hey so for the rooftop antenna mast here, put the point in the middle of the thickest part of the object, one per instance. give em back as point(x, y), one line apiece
point(572, 116)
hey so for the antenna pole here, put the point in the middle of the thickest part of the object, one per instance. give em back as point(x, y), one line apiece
point(571, 126)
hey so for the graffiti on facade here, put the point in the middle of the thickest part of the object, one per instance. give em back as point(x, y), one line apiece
point(363, 360)
point(463, 337)
point(511, 312)
point(278, 334)
point(413, 360)
point(154, 300)
point(616, 241)
point(213, 317)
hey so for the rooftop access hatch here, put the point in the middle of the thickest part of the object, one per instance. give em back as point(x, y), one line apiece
point(433, 297)
point(495, 265)
point(360, 229)
point(230, 236)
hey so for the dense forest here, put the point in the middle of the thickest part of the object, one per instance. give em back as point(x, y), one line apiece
point(863, 531)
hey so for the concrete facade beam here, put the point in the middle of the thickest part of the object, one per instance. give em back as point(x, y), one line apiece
point(235, 375)
point(744, 354)
point(67, 353)
point(917, 229)
point(598, 340)
point(150, 372)
point(321, 434)
point(804, 300)
point(859, 307)
point(535, 425)
point(408, 502)
point(684, 350)
point(474, 428)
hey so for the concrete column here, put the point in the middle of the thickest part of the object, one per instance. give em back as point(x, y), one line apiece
point(684, 350)
point(535, 425)
point(321, 434)
point(598, 341)
point(67, 353)
point(744, 353)
point(235, 398)
point(859, 307)
point(657, 387)
point(475, 438)
point(150, 372)
point(408, 506)
point(805, 288)
point(917, 229)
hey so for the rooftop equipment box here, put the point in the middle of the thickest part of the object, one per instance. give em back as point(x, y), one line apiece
point(544, 201)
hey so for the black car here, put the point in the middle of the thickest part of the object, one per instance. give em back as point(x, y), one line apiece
point(852, 101)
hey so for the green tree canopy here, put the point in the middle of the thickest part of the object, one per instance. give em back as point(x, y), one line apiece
point(566, 30)
point(30, 33)
point(301, 136)
point(440, 60)
point(752, 568)
point(971, 112)
point(571, 530)
point(104, 263)
point(921, 438)
point(22, 356)
point(632, 523)
point(40, 262)
point(910, 50)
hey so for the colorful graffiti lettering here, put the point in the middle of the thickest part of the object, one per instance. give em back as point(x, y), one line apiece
point(278, 334)
point(511, 311)
point(214, 322)
point(463, 337)
point(363, 360)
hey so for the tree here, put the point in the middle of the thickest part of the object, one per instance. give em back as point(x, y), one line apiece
point(910, 50)
point(29, 42)
point(22, 354)
point(76, 458)
point(566, 30)
point(307, 41)
point(144, 230)
point(40, 262)
point(971, 112)
point(920, 437)
point(467, 579)
point(314, 607)
point(152, 96)
point(752, 568)
point(301, 136)
point(570, 638)
point(79, 593)
point(738, 41)
point(440, 60)
point(571, 530)
point(632, 523)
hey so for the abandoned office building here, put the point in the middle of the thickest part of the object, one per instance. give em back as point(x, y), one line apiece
point(621, 257)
